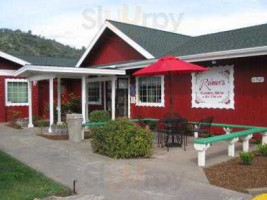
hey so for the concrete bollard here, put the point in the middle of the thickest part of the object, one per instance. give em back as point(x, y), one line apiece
point(75, 129)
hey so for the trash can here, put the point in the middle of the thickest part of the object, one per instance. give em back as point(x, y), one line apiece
point(75, 129)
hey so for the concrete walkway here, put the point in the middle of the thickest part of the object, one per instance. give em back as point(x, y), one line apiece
point(168, 175)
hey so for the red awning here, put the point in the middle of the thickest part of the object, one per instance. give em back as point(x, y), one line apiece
point(167, 65)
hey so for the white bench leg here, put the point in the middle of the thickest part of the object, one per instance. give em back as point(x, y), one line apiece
point(231, 147)
point(201, 148)
point(196, 133)
point(264, 138)
point(246, 142)
point(227, 130)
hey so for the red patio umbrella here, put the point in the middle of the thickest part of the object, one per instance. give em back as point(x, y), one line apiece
point(169, 65)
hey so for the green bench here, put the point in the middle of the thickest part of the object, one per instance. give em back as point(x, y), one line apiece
point(202, 144)
point(97, 124)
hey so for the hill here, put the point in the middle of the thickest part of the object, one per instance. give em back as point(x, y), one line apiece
point(17, 42)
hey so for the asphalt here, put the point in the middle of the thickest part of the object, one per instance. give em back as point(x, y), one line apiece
point(167, 175)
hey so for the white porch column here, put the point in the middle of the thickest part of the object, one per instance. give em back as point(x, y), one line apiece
point(58, 100)
point(84, 99)
point(104, 96)
point(30, 124)
point(51, 106)
point(113, 98)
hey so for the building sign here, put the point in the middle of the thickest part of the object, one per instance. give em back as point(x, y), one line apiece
point(214, 88)
point(257, 79)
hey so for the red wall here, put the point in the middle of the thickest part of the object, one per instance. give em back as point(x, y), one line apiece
point(250, 98)
point(111, 49)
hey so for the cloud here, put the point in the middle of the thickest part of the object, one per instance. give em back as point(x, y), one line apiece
point(67, 21)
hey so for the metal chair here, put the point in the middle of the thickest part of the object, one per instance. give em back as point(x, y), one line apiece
point(202, 127)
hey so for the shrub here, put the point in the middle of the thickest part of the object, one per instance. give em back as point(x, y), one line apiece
point(262, 148)
point(99, 116)
point(246, 158)
point(122, 139)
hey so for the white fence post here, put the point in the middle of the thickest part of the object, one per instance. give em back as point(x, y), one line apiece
point(246, 142)
point(227, 130)
point(264, 138)
point(196, 133)
point(201, 148)
point(231, 147)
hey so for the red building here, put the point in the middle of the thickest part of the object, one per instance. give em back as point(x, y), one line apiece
point(233, 90)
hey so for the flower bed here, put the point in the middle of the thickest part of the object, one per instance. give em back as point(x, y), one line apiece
point(233, 175)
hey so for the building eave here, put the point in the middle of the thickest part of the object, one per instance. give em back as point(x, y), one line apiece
point(13, 59)
point(219, 55)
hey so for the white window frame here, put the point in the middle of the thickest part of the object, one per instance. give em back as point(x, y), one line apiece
point(100, 94)
point(150, 104)
point(6, 91)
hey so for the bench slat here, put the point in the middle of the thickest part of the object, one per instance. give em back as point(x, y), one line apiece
point(219, 138)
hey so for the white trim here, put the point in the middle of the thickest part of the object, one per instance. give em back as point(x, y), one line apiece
point(100, 79)
point(7, 72)
point(100, 95)
point(64, 71)
point(6, 92)
point(218, 55)
point(40, 77)
point(108, 25)
point(162, 104)
point(13, 58)
point(213, 106)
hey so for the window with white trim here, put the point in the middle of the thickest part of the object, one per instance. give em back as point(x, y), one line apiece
point(150, 91)
point(16, 92)
point(94, 92)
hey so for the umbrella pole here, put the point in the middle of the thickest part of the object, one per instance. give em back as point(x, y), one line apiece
point(171, 102)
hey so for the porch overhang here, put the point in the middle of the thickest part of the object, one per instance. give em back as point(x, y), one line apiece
point(64, 72)
point(35, 73)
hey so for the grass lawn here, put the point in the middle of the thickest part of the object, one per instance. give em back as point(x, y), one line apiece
point(19, 182)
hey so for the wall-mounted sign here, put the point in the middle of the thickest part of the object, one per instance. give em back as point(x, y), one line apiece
point(257, 79)
point(132, 90)
point(133, 100)
point(213, 88)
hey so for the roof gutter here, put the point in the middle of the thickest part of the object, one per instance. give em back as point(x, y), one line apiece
point(219, 55)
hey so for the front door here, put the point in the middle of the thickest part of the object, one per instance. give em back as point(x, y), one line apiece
point(122, 97)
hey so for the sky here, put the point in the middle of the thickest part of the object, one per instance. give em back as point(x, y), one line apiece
point(75, 22)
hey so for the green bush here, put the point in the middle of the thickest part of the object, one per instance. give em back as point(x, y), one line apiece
point(99, 116)
point(246, 158)
point(122, 139)
point(262, 149)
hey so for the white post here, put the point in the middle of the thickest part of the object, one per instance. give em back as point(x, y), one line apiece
point(227, 130)
point(201, 148)
point(231, 147)
point(51, 106)
point(264, 138)
point(246, 142)
point(84, 99)
point(113, 98)
point(104, 96)
point(58, 100)
point(196, 133)
point(30, 124)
